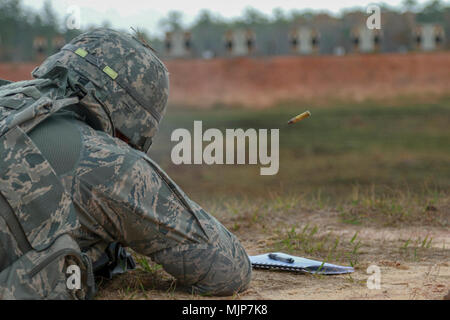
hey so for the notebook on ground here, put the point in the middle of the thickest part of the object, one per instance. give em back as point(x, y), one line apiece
point(283, 261)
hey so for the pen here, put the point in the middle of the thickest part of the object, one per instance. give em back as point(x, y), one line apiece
point(273, 256)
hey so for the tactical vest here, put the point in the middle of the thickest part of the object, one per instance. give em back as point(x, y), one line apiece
point(38, 257)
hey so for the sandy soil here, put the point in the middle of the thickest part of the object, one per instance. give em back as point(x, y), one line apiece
point(425, 279)
point(426, 276)
point(398, 281)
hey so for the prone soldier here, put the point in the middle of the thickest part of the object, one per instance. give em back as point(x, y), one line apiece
point(106, 93)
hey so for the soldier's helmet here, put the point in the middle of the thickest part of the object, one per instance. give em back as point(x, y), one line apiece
point(127, 85)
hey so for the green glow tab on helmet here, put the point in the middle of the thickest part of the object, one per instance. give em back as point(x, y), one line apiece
point(110, 72)
point(81, 52)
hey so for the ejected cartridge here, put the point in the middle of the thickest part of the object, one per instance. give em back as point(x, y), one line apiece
point(301, 116)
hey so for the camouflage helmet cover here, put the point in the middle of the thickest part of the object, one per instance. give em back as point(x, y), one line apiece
point(121, 73)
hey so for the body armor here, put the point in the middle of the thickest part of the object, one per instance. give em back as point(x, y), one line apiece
point(36, 213)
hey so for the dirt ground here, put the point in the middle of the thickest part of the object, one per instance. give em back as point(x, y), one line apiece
point(425, 276)
point(261, 82)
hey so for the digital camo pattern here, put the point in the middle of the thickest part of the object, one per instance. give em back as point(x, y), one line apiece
point(134, 94)
point(9, 248)
point(122, 195)
point(28, 103)
point(36, 212)
point(33, 191)
point(41, 275)
point(27, 181)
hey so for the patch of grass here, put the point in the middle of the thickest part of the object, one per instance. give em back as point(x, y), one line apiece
point(307, 241)
point(146, 265)
point(394, 208)
point(414, 249)
point(398, 207)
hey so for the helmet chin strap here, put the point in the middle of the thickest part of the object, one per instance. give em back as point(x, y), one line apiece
point(105, 108)
point(147, 145)
point(90, 93)
point(125, 139)
point(101, 118)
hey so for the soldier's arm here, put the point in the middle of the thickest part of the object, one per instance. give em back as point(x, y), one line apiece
point(128, 198)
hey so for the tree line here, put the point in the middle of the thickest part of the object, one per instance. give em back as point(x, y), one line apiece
point(21, 26)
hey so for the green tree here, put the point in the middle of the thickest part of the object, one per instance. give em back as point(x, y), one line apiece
point(433, 11)
point(173, 21)
point(253, 16)
point(409, 5)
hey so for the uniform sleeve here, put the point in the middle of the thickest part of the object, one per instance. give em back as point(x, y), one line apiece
point(123, 196)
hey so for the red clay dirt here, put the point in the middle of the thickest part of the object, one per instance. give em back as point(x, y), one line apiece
point(262, 82)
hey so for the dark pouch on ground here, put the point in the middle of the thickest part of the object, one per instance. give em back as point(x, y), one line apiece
point(115, 260)
point(60, 272)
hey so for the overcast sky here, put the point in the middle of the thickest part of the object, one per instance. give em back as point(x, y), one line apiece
point(146, 14)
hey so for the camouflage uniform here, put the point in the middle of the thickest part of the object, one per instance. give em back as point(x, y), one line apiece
point(36, 212)
point(118, 192)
